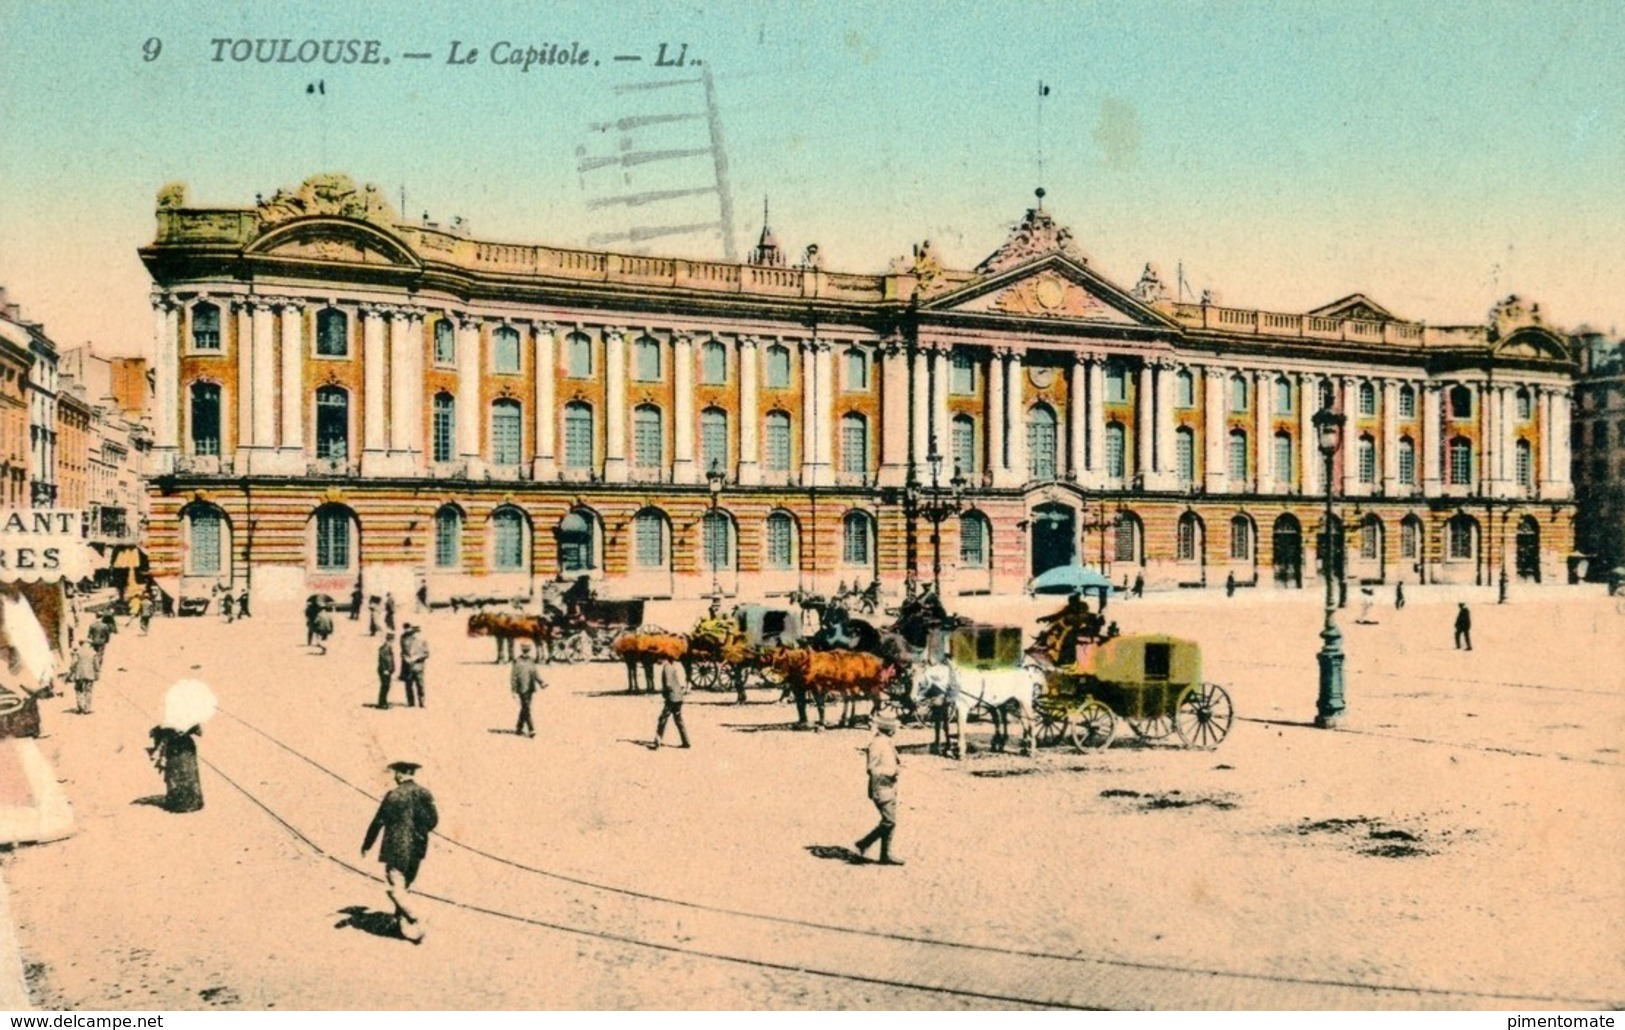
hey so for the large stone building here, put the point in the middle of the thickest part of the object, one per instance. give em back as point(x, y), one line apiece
point(342, 396)
point(1599, 452)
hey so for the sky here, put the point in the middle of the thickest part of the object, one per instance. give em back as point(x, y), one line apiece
point(1433, 156)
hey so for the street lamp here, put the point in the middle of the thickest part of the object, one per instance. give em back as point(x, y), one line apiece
point(939, 510)
point(1329, 706)
point(1501, 597)
point(713, 480)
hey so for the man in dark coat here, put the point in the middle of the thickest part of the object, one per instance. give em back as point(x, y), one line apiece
point(1464, 627)
point(99, 633)
point(355, 603)
point(405, 817)
point(525, 678)
point(386, 669)
point(414, 659)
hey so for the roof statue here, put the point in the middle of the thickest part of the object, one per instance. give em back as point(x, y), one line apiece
point(172, 194)
point(1150, 288)
point(1511, 314)
point(332, 194)
point(1034, 236)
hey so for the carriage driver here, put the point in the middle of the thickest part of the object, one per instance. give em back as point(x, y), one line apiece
point(883, 768)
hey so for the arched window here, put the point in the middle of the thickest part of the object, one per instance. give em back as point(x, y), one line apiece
point(577, 538)
point(1461, 402)
point(713, 363)
point(1407, 461)
point(1410, 537)
point(962, 374)
point(1367, 458)
point(1241, 538)
point(1185, 455)
point(857, 538)
point(1461, 461)
point(857, 370)
point(776, 436)
point(1041, 442)
point(578, 435)
point(975, 536)
point(1238, 393)
point(1524, 463)
point(448, 537)
point(1126, 537)
point(1371, 538)
point(445, 342)
point(1114, 450)
point(1526, 404)
point(507, 431)
point(776, 367)
point(1461, 538)
point(963, 435)
point(444, 426)
point(649, 536)
point(332, 423)
point(508, 540)
point(205, 327)
point(854, 444)
point(1184, 389)
point(648, 437)
point(1188, 537)
point(717, 538)
point(205, 540)
point(333, 537)
point(1283, 458)
point(646, 360)
point(1283, 395)
point(578, 356)
point(781, 540)
point(1238, 455)
point(713, 439)
point(205, 419)
point(505, 351)
point(1116, 382)
point(1368, 399)
point(332, 333)
point(1407, 402)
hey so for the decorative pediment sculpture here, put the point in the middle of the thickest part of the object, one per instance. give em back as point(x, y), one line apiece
point(1035, 235)
point(333, 195)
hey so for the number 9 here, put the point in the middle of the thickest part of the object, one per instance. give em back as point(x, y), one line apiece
point(152, 48)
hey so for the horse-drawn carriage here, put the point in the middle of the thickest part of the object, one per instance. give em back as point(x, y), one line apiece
point(1152, 682)
point(585, 631)
point(733, 652)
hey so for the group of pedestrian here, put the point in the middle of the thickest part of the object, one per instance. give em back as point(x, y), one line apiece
point(413, 661)
point(230, 606)
point(380, 613)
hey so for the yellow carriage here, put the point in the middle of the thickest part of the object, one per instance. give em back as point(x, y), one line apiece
point(1152, 682)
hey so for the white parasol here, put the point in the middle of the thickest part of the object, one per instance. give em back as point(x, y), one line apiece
point(188, 703)
point(27, 638)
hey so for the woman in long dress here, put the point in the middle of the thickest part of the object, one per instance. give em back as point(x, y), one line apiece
point(174, 752)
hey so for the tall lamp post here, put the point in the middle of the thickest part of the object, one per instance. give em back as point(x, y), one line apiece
point(1501, 596)
point(713, 481)
point(938, 510)
point(1329, 706)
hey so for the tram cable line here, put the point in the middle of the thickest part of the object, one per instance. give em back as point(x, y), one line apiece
point(1436, 678)
point(878, 935)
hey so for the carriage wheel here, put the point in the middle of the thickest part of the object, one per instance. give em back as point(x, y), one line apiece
point(1204, 715)
point(1152, 727)
point(1091, 727)
point(577, 647)
point(1051, 725)
point(706, 675)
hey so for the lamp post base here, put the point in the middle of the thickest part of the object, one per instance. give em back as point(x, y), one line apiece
point(1329, 705)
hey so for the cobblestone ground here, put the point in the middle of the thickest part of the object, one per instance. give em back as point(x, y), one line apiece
point(1456, 845)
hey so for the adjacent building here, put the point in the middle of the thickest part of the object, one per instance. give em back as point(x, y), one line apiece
point(342, 397)
point(1599, 452)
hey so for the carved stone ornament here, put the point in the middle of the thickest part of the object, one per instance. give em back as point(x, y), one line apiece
point(172, 195)
point(332, 194)
point(1035, 235)
point(333, 495)
point(1041, 376)
point(1049, 294)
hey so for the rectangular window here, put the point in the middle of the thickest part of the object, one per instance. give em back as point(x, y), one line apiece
point(972, 545)
point(1185, 456)
point(713, 443)
point(962, 374)
point(857, 370)
point(1370, 542)
point(650, 542)
point(577, 440)
point(444, 427)
point(1283, 397)
point(506, 434)
point(1525, 472)
point(964, 446)
point(1407, 463)
point(1368, 462)
point(1283, 459)
point(1238, 456)
point(505, 351)
point(647, 443)
point(778, 542)
point(205, 543)
point(445, 343)
point(1409, 538)
point(1407, 402)
point(1123, 541)
point(854, 447)
point(1461, 465)
point(1114, 451)
point(509, 543)
point(1116, 383)
point(1240, 540)
point(332, 542)
point(716, 542)
point(1184, 390)
point(778, 444)
point(447, 542)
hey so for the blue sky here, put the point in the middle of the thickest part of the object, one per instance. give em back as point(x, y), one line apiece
point(1435, 156)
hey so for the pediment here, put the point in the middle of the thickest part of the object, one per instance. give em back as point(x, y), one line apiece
point(1357, 307)
point(1532, 342)
point(334, 239)
point(1054, 288)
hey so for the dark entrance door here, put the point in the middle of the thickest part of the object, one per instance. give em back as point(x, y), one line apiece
point(1055, 537)
point(1529, 549)
point(1287, 548)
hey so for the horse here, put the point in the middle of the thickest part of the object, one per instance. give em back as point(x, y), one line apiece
point(847, 674)
point(644, 647)
point(507, 627)
point(1000, 691)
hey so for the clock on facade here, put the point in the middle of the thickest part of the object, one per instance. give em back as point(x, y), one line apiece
point(1041, 376)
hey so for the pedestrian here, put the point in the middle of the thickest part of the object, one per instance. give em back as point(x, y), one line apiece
point(405, 817)
point(386, 668)
point(1139, 584)
point(883, 766)
point(142, 610)
point(174, 753)
point(227, 603)
point(313, 607)
point(423, 594)
point(1230, 584)
point(1399, 595)
point(1464, 627)
point(414, 658)
point(372, 616)
point(242, 604)
point(86, 668)
point(99, 633)
point(389, 611)
point(525, 679)
point(673, 688)
point(323, 627)
point(1368, 598)
point(355, 603)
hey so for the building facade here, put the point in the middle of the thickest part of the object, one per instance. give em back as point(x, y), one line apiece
point(1599, 453)
point(119, 441)
point(15, 360)
point(342, 397)
point(72, 451)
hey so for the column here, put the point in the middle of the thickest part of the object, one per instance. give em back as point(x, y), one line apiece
point(1351, 436)
point(1215, 473)
point(683, 415)
point(468, 394)
point(750, 415)
point(1509, 439)
point(1263, 404)
point(809, 416)
point(615, 405)
point(893, 431)
point(920, 406)
point(1167, 463)
point(545, 467)
point(416, 345)
point(374, 417)
point(401, 431)
point(824, 420)
point(1431, 442)
point(939, 407)
point(1077, 424)
point(242, 339)
point(1145, 444)
point(166, 382)
point(1095, 375)
point(293, 385)
point(1390, 437)
point(993, 418)
point(1563, 417)
point(1016, 418)
point(263, 382)
point(1308, 446)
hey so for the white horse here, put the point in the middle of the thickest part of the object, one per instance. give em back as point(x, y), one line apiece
point(1000, 691)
